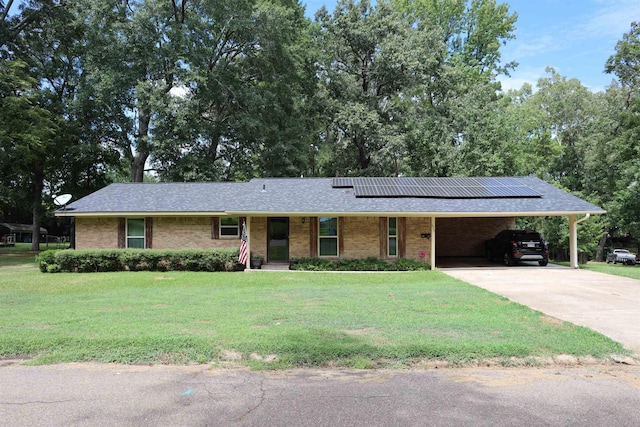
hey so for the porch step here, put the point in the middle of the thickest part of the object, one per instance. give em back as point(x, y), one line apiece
point(275, 267)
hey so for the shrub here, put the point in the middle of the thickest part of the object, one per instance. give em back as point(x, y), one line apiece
point(363, 264)
point(45, 259)
point(85, 261)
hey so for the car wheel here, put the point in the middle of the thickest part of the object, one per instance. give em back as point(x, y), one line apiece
point(629, 262)
point(507, 260)
point(543, 262)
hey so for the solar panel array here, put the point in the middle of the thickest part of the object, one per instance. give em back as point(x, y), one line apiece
point(443, 188)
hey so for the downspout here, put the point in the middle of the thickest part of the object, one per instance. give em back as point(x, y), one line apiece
point(573, 238)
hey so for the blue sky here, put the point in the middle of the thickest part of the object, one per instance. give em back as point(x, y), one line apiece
point(576, 37)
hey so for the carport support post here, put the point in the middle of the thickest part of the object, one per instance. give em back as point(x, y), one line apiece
point(433, 243)
point(573, 241)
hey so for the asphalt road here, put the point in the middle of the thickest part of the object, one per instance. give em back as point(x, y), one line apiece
point(116, 395)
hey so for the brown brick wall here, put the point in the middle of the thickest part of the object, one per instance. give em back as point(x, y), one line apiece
point(258, 242)
point(168, 233)
point(466, 236)
point(188, 233)
point(455, 236)
point(96, 233)
point(415, 243)
point(299, 237)
point(361, 237)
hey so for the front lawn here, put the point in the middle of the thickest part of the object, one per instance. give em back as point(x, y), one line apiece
point(275, 319)
point(631, 271)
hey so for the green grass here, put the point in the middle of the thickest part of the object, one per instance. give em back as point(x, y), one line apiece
point(276, 320)
point(629, 271)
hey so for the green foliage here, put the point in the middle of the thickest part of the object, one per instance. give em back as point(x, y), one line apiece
point(366, 264)
point(372, 61)
point(104, 260)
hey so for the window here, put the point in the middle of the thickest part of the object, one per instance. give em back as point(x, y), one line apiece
point(135, 233)
point(229, 227)
point(328, 236)
point(393, 237)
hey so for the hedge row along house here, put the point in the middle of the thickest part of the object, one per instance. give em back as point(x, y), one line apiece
point(286, 218)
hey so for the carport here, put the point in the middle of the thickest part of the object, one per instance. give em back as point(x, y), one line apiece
point(462, 235)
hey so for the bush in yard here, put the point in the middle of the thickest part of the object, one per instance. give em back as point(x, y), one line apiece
point(45, 259)
point(100, 260)
point(364, 264)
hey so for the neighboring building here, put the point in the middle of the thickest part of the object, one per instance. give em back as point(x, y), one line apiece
point(20, 232)
point(288, 218)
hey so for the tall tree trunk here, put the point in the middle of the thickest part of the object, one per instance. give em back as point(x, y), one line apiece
point(601, 244)
point(36, 197)
point(139, 159)
point(363, 157)
point(137, 166)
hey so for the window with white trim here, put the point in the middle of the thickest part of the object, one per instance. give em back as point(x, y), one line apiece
point(392, 237)
point(229, 227)
point(328, 236)
point(135, 233)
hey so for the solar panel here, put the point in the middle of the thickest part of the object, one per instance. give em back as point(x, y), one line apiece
point(450, 188)
point(342, 183)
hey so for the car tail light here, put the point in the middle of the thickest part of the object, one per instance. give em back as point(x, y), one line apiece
point(514, 249)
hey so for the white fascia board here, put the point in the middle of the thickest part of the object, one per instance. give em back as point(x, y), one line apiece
point(71, 213)
point(416, 214)
point(136, 214)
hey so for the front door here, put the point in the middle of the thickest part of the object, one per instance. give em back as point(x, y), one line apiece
point(277, 239)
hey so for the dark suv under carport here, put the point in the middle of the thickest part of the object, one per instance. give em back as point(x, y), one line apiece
point(511, 246)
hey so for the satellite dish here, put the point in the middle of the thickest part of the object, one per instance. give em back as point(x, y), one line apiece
point(62, 199)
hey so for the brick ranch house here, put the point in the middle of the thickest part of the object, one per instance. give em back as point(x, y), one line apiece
point(289, 218)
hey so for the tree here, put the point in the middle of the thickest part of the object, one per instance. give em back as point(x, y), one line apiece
point(456, 123)
point(129, 69)
point(33, 116)
point(472, 30)
point(624, 144)
point(373, 62)
point(239, 115)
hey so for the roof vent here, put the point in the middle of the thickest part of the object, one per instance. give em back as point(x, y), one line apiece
point(264, 188)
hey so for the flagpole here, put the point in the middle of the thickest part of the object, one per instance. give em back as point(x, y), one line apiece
point(243, 255)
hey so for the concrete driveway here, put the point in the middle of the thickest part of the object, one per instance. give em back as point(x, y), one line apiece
point(602, 302)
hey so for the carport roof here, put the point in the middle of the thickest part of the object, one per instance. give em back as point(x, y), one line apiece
point(316, 196)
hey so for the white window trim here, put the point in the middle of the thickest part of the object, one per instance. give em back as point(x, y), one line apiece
point(389, 236)
point(330, 237)
point(143, 237)
point(229, 236)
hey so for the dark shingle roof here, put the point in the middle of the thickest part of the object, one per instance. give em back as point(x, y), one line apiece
point(299, 196)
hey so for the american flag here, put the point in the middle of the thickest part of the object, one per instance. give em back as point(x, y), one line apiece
point(242, 258)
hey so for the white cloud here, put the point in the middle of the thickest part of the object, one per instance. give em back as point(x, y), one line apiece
point(520, 77)
point(530, 47)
